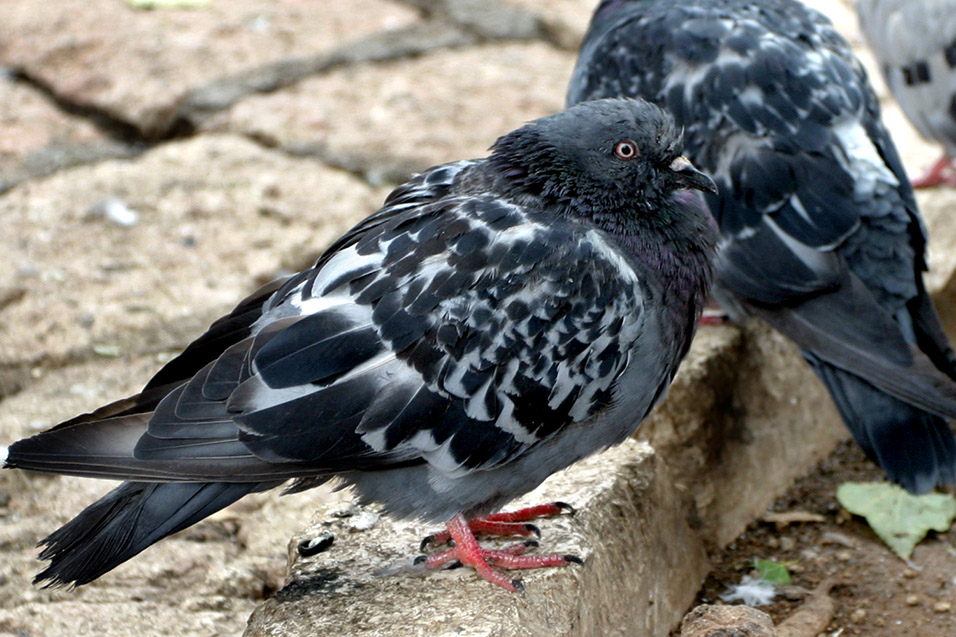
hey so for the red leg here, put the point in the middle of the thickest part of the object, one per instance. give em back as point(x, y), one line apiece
point(505, 523)
point(713, 318)
point(469, 553)
point(942, 172)
point(713, 315)
point(532, 513)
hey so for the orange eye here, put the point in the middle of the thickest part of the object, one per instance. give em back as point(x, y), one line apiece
point(626, 149)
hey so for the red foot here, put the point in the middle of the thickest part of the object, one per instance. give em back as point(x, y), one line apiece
point(713, 318)
point(469, 553)
point(513, 523)
point(940, 173)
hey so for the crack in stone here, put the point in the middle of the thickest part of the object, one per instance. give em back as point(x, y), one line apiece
point(111, 125)
point(375, 170)
point(449, 24)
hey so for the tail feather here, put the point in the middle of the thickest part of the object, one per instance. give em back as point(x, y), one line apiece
point(127, 520)
point(916, 449)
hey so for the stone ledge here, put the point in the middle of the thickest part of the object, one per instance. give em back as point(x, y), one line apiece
point(646, 518)
point(344, 591)
point(731, 436)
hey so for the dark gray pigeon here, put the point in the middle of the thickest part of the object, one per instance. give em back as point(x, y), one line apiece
point(914, 42)
point(497, 320)
point(821, 236)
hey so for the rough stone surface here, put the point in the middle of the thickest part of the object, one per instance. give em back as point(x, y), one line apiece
point(732, 418)
point(204, 581)
point(727, 621)
point(566, 21)
point(35, 131)
point(366, 581)
point(216, 216)
point(938, 208)
point(276, 97)
point(420, 112)
point(136, 64)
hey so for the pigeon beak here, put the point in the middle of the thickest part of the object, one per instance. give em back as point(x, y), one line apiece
point(690, 177)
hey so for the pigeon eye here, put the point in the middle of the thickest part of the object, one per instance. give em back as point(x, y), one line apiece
point(626, 149)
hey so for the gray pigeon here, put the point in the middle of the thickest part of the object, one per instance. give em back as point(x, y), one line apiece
point(914, 42)
point(821, 235)
point(497, 320)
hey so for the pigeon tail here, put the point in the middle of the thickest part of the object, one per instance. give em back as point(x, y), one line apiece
point(915, 449)
point(127, 520)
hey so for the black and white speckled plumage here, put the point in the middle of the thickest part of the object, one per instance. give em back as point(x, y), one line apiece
point(914, 42)
point(821, 235)
point(497, 320)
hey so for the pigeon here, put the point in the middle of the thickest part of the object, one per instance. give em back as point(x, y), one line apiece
point(495, 321)
point(914, 42)
point(820, 232)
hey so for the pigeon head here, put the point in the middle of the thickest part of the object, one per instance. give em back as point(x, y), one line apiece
point(613, 156)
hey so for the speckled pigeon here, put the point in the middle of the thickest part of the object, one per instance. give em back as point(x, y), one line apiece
point(820, 232)
point(914, 42)
point(497, 320)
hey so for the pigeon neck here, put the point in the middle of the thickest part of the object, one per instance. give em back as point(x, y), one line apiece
point(681, 252)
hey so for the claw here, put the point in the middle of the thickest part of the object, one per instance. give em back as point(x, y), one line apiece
point(567, 507)
point(467, 552)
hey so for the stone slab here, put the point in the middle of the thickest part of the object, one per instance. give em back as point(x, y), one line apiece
point(136, 64)
point(215, 217)
point(366, 585)
point(35, 132)
point(203, 581)
point(444, 106)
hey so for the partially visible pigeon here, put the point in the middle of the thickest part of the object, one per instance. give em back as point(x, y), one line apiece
point(914, 42)
point(497, 320)
point(821, 235)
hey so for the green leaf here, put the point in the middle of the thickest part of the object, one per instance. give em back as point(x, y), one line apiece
point(776, 573)
point(900, 519)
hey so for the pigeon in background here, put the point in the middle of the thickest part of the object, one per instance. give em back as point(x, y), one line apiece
point(820, 232)
point(497, 320)
point(914, 42)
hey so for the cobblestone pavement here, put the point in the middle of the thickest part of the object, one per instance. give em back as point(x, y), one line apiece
point(155, 165)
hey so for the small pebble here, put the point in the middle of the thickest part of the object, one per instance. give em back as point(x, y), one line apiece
point(113, 210)
point(832, 537)
point(363, 521)
point(880, 622)
point(316, 545)
point(787, 543)
point(942, 607)
point(858, 616)
point(27, 271)
point(844, 556)
point(912, 600)
point(773, 542)
point(909, 573)
point(107, 350)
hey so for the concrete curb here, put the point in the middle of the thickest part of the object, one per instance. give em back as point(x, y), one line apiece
point(646, 521)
